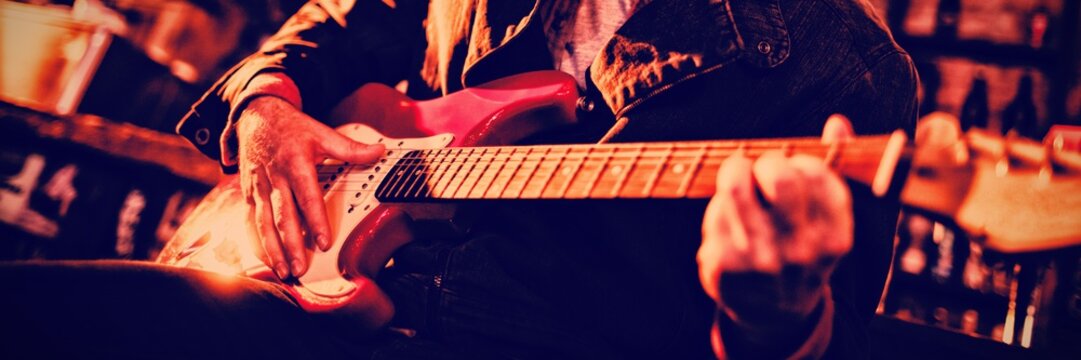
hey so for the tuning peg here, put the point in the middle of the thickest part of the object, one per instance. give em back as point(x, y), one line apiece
point(1062, 159)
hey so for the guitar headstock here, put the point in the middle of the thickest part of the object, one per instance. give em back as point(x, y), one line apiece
point(1012, 194)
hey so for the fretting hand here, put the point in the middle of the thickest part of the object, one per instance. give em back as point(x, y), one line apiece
point(279, 147)
point(771, 237)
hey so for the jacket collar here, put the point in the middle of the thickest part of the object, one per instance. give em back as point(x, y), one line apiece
point(662, 44)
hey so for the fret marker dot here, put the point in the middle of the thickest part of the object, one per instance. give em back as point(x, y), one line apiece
point(678, 169)
point(617, 169)
point(567, 170)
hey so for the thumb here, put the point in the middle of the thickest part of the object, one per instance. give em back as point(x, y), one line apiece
point(339, 147)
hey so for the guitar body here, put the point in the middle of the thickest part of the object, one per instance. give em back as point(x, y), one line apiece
point(218, 236)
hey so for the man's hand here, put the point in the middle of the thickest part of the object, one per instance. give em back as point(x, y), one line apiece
point(772, 235)
point(279, 147)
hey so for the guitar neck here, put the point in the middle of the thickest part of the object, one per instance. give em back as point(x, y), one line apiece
point(662, 170)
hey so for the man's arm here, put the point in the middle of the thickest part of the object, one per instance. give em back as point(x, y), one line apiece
point(251, 119)
point(771, 237)
point(782, 305)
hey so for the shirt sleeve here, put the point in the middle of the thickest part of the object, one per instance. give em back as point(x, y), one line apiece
point(812, 346)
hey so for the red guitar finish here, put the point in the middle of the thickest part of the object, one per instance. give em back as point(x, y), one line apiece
point(218, 236)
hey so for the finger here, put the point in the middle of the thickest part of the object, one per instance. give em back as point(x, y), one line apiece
point(247, 191)
point(338, 146)
point(264, 221)
point(732, 178)
point(837, 129)
point(829, 208)
point(783, 189)
point(750, 246)
point(255, 242)
point(288, 225)
point(310, 201)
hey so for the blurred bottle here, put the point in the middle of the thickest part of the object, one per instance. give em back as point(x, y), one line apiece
point(942, 317)
point(974, 112)
point(947, 17)
point(1020, 114)
point(1037, 26)
point(976, 273)
point(930, 84)
point(942, 271)
point(913, 259)
point(970, 321)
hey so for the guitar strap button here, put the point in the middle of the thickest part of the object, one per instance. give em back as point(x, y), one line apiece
point(585, 104)
point(202, 136)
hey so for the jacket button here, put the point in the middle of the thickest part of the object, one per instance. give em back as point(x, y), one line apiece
point(764, 47)
point(202, 136)
point(585, 104)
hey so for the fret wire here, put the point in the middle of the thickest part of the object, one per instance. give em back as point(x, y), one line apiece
point(651, 182)
point(479, 161)
point(533, 173)
point(457, 177)
point(514, 169)
point(529, 176)
point(555, 168)
point(623, 178)
point(593, 182)
point(570, 179)
point(429, 185)
point(686, 183)
point(413, 173)
point(513, 174)
point(447, 177)
point(401, 172)
point(488, 186)
point(387, 183)
point(423, 177)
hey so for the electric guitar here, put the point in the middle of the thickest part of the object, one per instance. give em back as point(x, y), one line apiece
point(1015, 195)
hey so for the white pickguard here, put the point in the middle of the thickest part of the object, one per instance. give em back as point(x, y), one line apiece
point(350, 197)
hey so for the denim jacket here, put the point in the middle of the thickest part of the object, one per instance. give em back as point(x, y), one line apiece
point(676, 70)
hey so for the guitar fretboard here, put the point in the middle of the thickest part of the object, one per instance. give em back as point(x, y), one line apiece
point(640, 170)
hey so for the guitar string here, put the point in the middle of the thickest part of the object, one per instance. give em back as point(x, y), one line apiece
point(850, 151)
point(514, 180)
point(876, 141)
